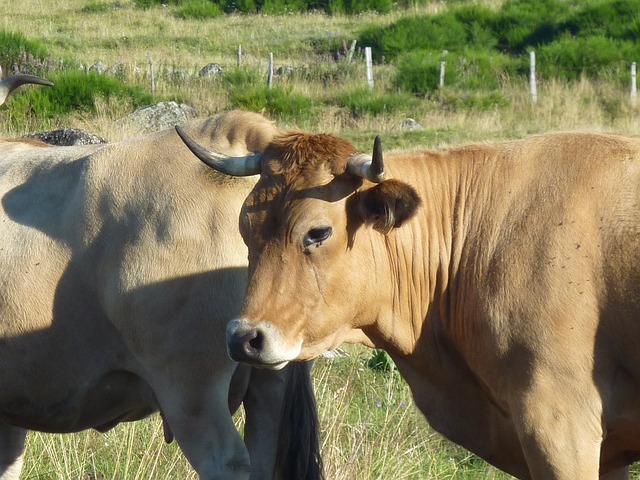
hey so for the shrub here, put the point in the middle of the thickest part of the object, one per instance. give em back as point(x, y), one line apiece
point(615, 19)
point(462, 100)
point(595, 57)
point(74, 91)
point(361, 101)
point(277, 101)
point(240, 77)
point(452, 31)
point(521, 24)
point(419, 72)
point(198, 9)
point(359, 6)
point(18, 53)
point(100, 7)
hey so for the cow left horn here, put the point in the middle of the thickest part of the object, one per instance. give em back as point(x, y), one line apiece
point(9, 84)
point(367, 166)
point(234, 166)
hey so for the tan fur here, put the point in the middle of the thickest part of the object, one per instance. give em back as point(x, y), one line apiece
point(510, 300)
point(13, 145)
point(120, 266)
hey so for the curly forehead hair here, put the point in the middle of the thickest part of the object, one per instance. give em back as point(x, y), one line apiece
point(295, 153)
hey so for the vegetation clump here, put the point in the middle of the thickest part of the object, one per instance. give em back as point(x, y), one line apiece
point(484, 47)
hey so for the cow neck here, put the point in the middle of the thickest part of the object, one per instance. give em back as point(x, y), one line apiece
point(425, 254)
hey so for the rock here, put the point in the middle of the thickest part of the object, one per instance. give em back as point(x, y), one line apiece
point(286, 70)
point(211, 70)
point(161, 116)
point(67, 137)
point(411, 125)
point(99, 67)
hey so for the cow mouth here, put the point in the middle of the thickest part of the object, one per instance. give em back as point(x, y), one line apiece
point(258, 345)
point(270, 366)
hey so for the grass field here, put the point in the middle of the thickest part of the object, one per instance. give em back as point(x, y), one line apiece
point(370, 430)
point(370, 427)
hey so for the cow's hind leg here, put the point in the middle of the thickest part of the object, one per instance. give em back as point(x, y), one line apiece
point(11, 451)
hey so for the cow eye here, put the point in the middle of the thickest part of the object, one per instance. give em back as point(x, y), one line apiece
point(316, 236)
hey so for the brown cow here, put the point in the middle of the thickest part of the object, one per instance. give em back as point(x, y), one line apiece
point(504, 280)
point(120, 266)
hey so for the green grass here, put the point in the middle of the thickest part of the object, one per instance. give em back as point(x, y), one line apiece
point(370, 430)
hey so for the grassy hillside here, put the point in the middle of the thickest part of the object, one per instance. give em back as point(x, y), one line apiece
point(484, 97)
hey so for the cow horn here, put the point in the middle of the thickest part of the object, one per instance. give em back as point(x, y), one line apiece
point(366, 166)
point(234, 166)
point(9, 84)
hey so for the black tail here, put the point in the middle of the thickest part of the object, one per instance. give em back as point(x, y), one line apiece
point(299, 440)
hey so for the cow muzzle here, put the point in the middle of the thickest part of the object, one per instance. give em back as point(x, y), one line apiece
point(259, 345)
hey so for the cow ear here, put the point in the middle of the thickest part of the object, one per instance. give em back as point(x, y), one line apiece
point(388, 205)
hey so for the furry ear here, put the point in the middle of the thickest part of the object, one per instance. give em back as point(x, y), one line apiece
point(388, 205)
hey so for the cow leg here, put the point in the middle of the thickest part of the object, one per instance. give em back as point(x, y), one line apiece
point(558, 423)
point(618, 474)
point(197, 411)
point(11, 449)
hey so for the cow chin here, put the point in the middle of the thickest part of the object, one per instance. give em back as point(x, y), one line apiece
point(260, 344)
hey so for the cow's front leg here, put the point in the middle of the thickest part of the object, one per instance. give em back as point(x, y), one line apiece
point(197, 411)
point(558, 422)
point(11, 451)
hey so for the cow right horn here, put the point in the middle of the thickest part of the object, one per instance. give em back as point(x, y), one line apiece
point(9, 84)
point(234, 166)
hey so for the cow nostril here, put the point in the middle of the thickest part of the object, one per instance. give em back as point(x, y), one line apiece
point(257, 342)
point(247, 346)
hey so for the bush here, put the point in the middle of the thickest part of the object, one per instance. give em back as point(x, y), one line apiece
point(74, 91)
point(456, 100)
point(280, 6)
point(198, 9)
point(101, 7)
point(419, 72)
point(618, 19)
point(21, 54)
point(240, 77)
point(361, 101)
point(278, 102)
point(594, 57)
point(521, 24)
point(452, 31)
point(359, 6)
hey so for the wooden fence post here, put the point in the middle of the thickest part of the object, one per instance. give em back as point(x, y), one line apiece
point(634, 85)
point(369, 61)
point(532, 76)
point(239, 55)
point(152, 74)
point(441, 81)
point(351, 51)
point(270, 71)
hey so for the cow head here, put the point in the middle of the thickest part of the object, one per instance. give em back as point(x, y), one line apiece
point(312, 225)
